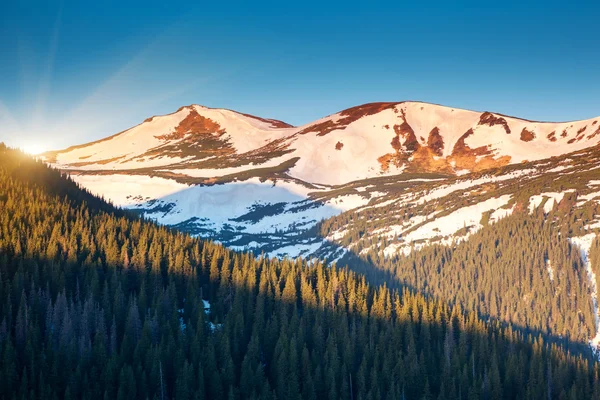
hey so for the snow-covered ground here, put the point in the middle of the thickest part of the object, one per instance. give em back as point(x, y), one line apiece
point(444, 229)
point(550, 270)
point(129, 190)
point(552, 198)
point(244, 208)
point(462, 185)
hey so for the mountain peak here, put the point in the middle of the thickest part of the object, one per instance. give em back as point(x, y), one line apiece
point(368, 140)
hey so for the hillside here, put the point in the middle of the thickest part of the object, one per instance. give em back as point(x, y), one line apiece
point(263, 185)
point(103, 305)
point(514, 243)
point(406, 225)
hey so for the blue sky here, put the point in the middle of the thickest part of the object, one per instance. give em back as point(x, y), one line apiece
point(76, 71)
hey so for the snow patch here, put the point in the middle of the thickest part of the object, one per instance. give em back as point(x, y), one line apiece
point(552, 198)
point(550, 270)
point(443, 229)
point(584, 243)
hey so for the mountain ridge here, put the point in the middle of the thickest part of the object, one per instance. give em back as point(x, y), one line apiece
point(248, 183)
point(384, 137)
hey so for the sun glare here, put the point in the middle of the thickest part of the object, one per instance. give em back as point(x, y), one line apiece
point(33, 148)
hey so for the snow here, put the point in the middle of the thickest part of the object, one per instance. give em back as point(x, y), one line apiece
point(349, 202)
point(127, 190)
point(443, 229)
point(593, 225)
point(364, 141)
point(321, 163)
point(584, 243)
point(500, 213)
point(222, 203)
point(464, 217)
point(550, 270)
point(552, 198)
point(214, 327)
point(445, 190)
point(285, 205)
point(295, 250)
point(537, 149)
point(212, 173)
point(534, 202)
point(127, 144)
point(219, 205)
point(588, 196)
point(337, 235)
point(245, 132)
point(558, 168)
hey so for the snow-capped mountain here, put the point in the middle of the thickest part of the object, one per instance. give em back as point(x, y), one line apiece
point(262, 184)
point(357, 143)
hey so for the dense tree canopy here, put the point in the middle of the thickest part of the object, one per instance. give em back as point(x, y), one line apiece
point(522, 270)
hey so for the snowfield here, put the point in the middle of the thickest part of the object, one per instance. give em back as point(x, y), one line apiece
point(443, 229)
point(128, 190)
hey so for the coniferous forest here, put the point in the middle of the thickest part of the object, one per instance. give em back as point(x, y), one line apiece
point(98, 304)
point(502, 271)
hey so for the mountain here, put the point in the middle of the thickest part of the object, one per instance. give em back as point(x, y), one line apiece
point(100, 304)
point(200, 144)
point(264, 185)
point(497, 214)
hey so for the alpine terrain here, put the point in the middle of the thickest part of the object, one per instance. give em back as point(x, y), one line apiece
point(100, 304)
point(261, 184)
point(494, 213)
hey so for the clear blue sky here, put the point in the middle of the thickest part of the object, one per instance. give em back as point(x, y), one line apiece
point(75, 71)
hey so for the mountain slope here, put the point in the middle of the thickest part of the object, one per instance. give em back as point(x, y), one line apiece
point(358, 143)
point(437, 205)
point(261, 184)
point(517, 242)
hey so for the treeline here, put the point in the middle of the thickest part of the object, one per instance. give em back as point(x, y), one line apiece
point(98, 305)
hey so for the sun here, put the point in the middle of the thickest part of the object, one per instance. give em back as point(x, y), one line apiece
point(33, 148)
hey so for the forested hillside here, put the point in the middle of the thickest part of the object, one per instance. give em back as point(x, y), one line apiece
point(98, 304)
point(522, 263)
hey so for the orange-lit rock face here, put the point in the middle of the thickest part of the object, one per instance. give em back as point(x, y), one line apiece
point(194, 123)
point(527, 136)
point(404, 143)
point(408, 152)
point(435, 142)
point(347, 117)
point(487, 118)
point(465, 158)
point(596, 133)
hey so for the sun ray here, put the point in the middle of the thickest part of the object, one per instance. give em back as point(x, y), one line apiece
point(45, 84)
